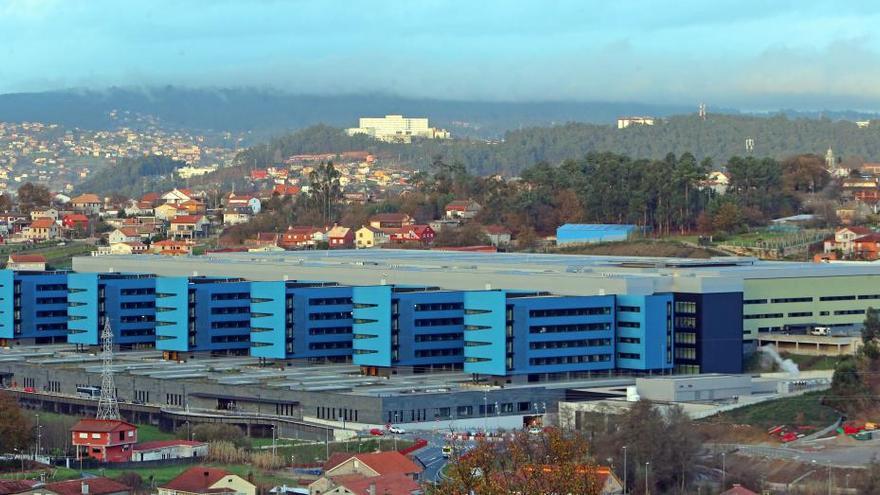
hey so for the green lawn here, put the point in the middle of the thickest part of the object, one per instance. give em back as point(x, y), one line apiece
point(805, 409)
point(806, 362)
point(307, 454)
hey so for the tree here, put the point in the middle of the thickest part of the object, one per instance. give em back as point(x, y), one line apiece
point(869, 482)
point(132, 480)
point(871, 326)
point(15, 429)
point(470, 234)
point(325, 189)
point(554, 462)
point(33, 196)
point(218, 432)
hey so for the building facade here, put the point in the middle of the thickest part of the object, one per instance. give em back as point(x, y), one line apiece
point(127, 301)
point(202, 315)
point(301, 320)
point(33, 307)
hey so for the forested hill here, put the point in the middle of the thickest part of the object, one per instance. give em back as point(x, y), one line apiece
point(719, 137)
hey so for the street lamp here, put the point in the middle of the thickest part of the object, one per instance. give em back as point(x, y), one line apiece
point(273, 441)
point(485, 413)
point(723, 470)
point(647, 467)
point(624, 470)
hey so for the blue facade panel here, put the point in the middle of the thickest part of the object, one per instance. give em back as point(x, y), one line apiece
point(644, 332)
point(485, 338)
point(708, 330)
point(34, 306)
point(128, 301)
point(203, 314)
point(575, 233)
point(371, 313)
point(322, 322)
point(429, 329)
point(269, 320)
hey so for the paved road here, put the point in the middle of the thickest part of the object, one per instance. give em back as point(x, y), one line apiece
point(855, 455)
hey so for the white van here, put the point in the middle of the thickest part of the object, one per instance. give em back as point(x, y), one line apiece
point(820, 331)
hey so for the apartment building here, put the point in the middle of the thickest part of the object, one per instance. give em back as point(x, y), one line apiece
point(126, 300)
point(33, 307)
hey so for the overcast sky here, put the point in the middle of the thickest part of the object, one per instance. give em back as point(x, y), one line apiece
point(747, 54)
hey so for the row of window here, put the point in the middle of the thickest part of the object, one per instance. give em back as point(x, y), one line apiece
point(549, 361)
point(438, 306)
point(566, 344)
point(456, 351)
point(549, 313)
point(578, 327)
point(439, 322)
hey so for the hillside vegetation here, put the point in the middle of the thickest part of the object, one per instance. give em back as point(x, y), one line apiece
point(718, 138)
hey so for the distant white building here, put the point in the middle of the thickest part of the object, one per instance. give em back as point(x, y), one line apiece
point(168, 449)
point(397, 128)
point(190, 171)
point(624, 122)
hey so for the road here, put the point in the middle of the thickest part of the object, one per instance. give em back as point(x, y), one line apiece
point(855, 455)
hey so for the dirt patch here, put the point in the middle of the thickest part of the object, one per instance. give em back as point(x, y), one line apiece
point(643, 247)
point(717, 432)
point(785, 471)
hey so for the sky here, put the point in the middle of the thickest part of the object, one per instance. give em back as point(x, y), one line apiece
point(745, 54)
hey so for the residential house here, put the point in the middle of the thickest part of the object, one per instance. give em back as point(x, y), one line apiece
point(738, 489)
point(465, 209)
point(90, 204)
point(263, 240)
point(26, 262)
point(106, 440)
point(124, 234)
point(347, 473)
point(41, 229)
point(422, 234)
point(244, 201)
point(498, 235)
point(368, 236)
point(177, 196)
point(854, 212)
point(867, 247)
point(285, 190)
point(236, 216)
point(716, 181)
point(844, 239)
point(202, 480)
point(169, 449)
point(131, 247)
point(340, 237)
point(84, 486)
point(153, 198)
point(138, 208)
point(45, 213)
point(188, 227)
point(299, 237)
point(166, 212)
point(75, 221)
point(170, 247)
point(192, 207)
point(391, 220)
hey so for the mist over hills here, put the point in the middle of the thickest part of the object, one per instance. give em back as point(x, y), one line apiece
point(275, 112)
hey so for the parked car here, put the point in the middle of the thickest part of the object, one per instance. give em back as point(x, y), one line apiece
point(535, 430)
point(30, 390)
point(447, 451)
point(377, 432)
point(397, 430)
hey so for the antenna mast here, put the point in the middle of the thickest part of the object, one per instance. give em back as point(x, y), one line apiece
point(108, 406)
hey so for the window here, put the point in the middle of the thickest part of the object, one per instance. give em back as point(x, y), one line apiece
point(687, 307)
point(584, 327)
point(685, 338)
point(628, 355)
point(685, 353)
point(549, 313)
point(837, 298)
point(685, 322)
point(629, 309)
point(800, 314)
point(792, 300)
point(629, 324)
point(629, 340)
point(758, 317)
point(850, 312)
point(96, 435)
point(465, 410)
point(754, 301)
point(84, 435)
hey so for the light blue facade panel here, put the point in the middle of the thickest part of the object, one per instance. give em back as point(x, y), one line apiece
point(172, 314)
point(484, 332)
point(82, 308)
point(268, 319)
point(371, 312)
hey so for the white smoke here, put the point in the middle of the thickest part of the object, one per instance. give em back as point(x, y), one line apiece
point(786, 365)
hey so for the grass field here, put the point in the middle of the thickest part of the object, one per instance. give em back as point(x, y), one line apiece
point(640, 247)
point(57, 257)
point(805, 362)
point(806, 410)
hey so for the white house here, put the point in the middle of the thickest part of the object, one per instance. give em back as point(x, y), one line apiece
point(168, 449)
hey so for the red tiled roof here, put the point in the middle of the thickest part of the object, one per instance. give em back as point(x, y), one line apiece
point(150, 197)
point(27, 258)
point(389, 484)
point(8, 487)
point(496, 229)
point(873, 237)
point(97, 486)
point(186, 218)
point(161, 444)
point(42, 223)
point(76, 217)
point(389, 217)
point(860, 230)
point(86, 198)
point(196, 480)
point(99, 425)
point(381, 462)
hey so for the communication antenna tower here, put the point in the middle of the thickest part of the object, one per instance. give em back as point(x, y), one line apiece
point(750, 145)
point(108, 406)
point(702, 111)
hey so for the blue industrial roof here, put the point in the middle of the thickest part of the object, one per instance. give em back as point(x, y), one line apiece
point(593, 227)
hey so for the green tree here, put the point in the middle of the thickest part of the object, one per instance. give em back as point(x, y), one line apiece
point(33, 196)
point(15, 428)
point(325, 189)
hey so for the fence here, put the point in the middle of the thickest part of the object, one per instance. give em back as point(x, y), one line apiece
point(93, 464)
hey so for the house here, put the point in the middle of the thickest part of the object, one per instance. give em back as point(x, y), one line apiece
point(389, 484)
point(75, 221)
point(867, 247)
point(84, 486)
point(45, 213)
point(124, 234)
point(422, 234)
point(738, 489)
point(465, 209)
point(172, 248)
point(90, 204)
point(138, 208)
point(26, 262)
point(371, 464)
point(201, 480)
point(246, 201)
point(285, 190)
point(844, 239)
point(259, 174)
point(41, 229)
point(236, 216)
point(498, 235)
point(369, 236)
point(299, 237)
point(854, 212)
point(263, 240)
point(340, 237)
point(192, 207)
point(165, 212)
point(583, 233)
point(188, 227)
point(169, 449)
point(106, 440)
point(152, 198)
point(391, 220)
point(131, 247)
point(177, 196)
